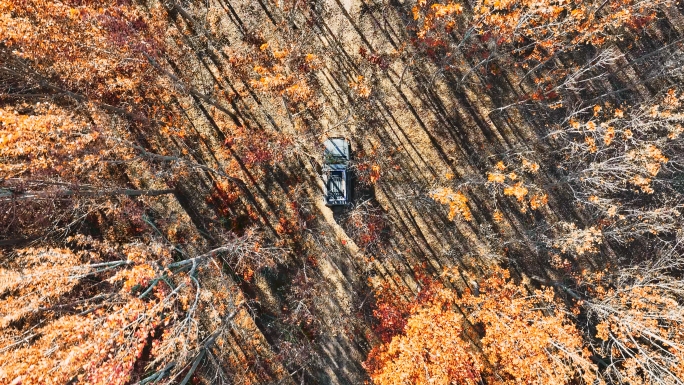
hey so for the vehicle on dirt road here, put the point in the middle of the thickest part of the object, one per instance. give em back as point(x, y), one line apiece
point(336, 157)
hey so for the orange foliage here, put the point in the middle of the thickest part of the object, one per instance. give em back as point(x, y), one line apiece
point(520, 188)
point(517, 190)
point(94, 339)
point(94, 48)
point(538, 201)
point(579, 241)
point(88, 312)
point(457, 201)
point(51, 141)
point(431, 350)
point(435, 20)
point(277, 72)
point(527, 339)
point(374, 173)
point(360, 88)
point(541, 28)
point(532, 29)
point(640, 324)
point(628, 150)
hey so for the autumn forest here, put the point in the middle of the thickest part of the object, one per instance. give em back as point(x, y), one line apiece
point(515, 210)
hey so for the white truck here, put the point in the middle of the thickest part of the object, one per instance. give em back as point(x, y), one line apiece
point(336, 156)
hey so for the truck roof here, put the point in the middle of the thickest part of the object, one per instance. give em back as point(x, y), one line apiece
point(336, 148)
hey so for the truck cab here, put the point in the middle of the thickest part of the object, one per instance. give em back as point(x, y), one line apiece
point(336, 157)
